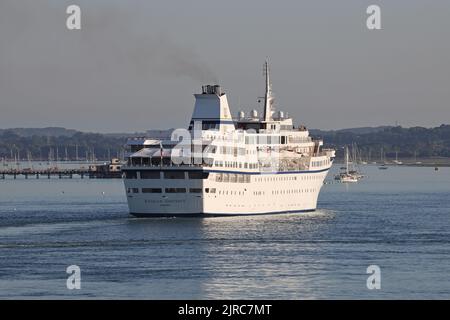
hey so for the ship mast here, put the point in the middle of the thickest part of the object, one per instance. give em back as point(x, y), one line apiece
point(268, 98)
point(346, 159)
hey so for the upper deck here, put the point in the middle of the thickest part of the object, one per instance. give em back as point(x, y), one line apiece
point(214, 139)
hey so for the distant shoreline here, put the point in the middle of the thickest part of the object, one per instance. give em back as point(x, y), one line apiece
point(425, 162)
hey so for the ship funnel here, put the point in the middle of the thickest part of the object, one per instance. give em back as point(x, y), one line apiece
point(212, 110)
point(212, 89)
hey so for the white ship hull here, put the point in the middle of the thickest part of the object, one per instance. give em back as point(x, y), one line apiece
point(263, 194)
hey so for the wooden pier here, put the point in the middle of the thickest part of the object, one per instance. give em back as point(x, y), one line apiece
point(60, 173)
point(107, 170)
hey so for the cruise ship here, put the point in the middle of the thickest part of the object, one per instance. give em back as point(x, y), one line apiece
point(220, 165)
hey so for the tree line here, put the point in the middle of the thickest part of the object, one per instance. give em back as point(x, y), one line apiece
point(74, 145)
point(393, 141)
point(79, 146)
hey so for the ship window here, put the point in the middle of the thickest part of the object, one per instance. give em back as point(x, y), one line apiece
point(175, 190)
point(151, 190)
point(150, 175)
point(250, 140)
point(198, 175)
point(136, 148)
point(173, 174)
point(274, 140)
point(135, 190)
point(195, 190)
point(130, 174)
point(209, 148)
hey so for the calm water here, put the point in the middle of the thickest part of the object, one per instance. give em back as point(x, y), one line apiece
point(398, 219)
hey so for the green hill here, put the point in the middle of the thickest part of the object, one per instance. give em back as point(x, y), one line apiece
point(406, 142)
point(54, 142)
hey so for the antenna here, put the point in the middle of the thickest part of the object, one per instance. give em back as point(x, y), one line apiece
point(268, 98)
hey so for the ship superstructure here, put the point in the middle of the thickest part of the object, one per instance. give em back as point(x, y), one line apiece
point(222, 165)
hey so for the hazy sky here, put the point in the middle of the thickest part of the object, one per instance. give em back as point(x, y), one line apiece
point(135, 64)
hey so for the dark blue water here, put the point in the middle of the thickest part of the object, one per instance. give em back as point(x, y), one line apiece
point(398, 219)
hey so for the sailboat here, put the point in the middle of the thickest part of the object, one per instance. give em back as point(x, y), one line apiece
point(348, 175)
point(382, 158)
point(357, 154)
point(396, 161)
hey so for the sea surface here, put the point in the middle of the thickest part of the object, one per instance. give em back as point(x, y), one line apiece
point(397, 219)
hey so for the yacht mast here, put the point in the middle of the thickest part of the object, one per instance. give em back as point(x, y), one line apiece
point(346, 159)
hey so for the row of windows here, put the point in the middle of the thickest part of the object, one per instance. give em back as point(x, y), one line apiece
point(231, 192)
point(193, 175)
point(220, 177)
point(263, 139)
point(294, 139)
point(289, 191)
point(320, 163)
point(171, 190)
point(232, 150)
point(232, 177)
point(234, 164)
point(274, 192)
point(288, 178)
point(292, 191)
point(213, 190)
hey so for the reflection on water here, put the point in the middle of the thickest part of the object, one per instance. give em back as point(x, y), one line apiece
point(396, 218)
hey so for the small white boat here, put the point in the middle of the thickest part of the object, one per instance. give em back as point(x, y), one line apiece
point(348, 176)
